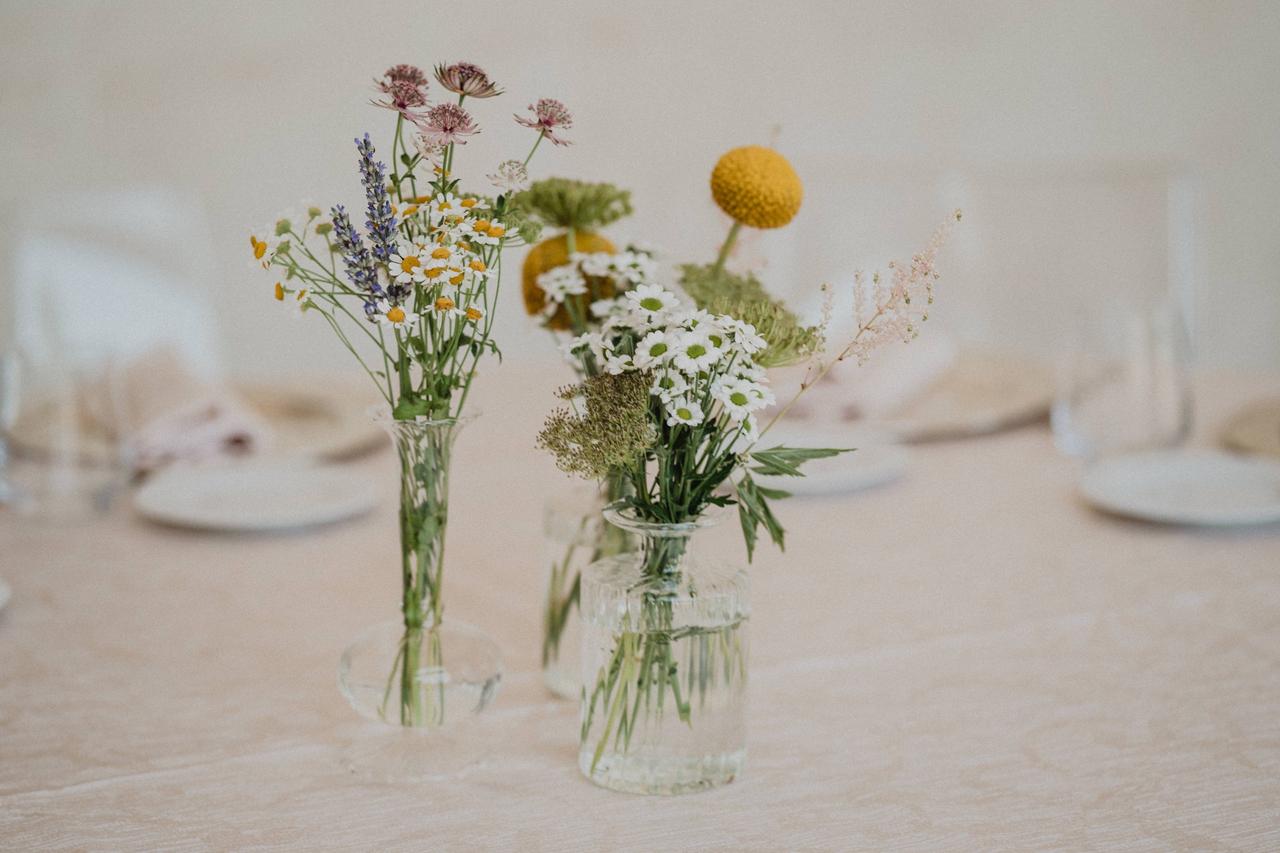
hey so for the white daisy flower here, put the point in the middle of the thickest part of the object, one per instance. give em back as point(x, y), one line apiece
point(592, 342)
point(740, 398)
point(744, 336)
point(406, 265)
point(486, 232)
point(749, 370)
point(694, 353)
point(654, 348)
point(446, 208)
point(604, 308)
point(652, 300)
point(395, 317)
point(616, 364)
point(562, 282)
point(749, 435)
point(682, 410)
point(301, 300)
point(669, 385)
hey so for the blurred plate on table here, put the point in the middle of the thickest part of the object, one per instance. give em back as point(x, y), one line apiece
point(874, 461)
point(254, 496)
point(1203, 487)
point(985, 391)
point(1256, 429)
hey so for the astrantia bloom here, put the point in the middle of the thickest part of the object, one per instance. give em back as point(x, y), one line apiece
point(463, 78)
point(511, 177)
point(404, 73)
point(682, 410)
point(548, 116)
point(404, 88)
point(446, 124)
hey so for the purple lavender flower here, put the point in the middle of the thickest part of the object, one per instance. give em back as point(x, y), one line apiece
point(382, 221)
point(361, 270)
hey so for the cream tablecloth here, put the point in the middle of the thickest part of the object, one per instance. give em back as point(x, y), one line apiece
point(967, 659)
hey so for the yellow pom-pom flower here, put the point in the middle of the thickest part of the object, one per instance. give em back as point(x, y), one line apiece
point(757, 187)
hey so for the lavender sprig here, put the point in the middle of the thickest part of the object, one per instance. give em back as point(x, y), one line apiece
point(382, 221)
point(355, 256)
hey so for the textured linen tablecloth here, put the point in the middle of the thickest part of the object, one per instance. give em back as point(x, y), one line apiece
point(968, 658)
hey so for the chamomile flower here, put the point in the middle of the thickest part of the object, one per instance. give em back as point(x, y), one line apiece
point(652, 300)
point(655, 348)
point(617, 364)
point(562, 282)
point(477, 269)
point(446, 207)
point(740, 397)
point(682, 410)
point(474, 314)
point(744, 336)
point(302, 299)
point(694, 353)
point(486, 232)
point(669, 385)
point(395, 317)
point(407, 265)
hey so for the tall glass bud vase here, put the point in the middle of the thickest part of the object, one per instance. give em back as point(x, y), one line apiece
point(664, 664)
point(422, 672)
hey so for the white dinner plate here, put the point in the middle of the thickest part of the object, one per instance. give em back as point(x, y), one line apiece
point(1186, 487)
point(255, 496)
point(874, 461)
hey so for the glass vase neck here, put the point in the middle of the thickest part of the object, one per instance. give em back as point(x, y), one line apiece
point(664, 547)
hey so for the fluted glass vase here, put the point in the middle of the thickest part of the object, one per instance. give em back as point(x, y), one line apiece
point(422, 671)
point(664, 664)
point(576, 536)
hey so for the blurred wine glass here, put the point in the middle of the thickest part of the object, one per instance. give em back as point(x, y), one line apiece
point(1124, 382)
point(9, 493)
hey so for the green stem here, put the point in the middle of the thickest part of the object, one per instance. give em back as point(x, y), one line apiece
point(727, 247)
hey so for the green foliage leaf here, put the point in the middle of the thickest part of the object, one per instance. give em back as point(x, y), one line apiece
point(786, 461)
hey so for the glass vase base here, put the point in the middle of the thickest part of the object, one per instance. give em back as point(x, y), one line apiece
point(432, 680)
point(662, 775)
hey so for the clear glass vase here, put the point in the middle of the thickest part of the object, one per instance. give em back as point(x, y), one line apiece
point(664, 664)
point(576, 536)
point(422, 672)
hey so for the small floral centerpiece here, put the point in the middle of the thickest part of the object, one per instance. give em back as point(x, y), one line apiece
point(673, 410)
point(573, 268)
point(412, 296)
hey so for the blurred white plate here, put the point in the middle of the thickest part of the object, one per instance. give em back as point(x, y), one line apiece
point(5, 592)
point(1186, 487)
point(875, 460)
point(254, 496)
point(1255, 429)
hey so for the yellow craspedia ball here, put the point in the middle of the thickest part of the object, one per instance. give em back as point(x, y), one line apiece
point(757, 187)
point(548, 255)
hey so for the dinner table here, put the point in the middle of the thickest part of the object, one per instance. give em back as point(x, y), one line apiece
point(967, 658)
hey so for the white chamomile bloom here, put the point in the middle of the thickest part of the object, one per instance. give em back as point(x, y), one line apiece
point(587, 342)
point(406, 265)
point(301, 299)
point(654, 348)
point(669, 385)
point(682, 410)
point(562, 282)
point(749, 435)
point(740, 397)
point(616, 364)
point(604, 308)
point(595, 264)
point(652, 300)
point(694, 353)
point(745, 336)
point(471, 204)
point(395, 317)
point(446, 207)
point(477, 269)
point(748, 370)
point(487, 233)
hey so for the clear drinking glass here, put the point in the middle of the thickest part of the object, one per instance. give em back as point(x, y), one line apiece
point(65, 431)
point(664, 664)
point(1124, 382)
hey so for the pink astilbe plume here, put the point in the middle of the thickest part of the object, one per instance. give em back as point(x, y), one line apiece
point(882, 312)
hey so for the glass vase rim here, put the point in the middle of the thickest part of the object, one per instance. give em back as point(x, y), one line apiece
point(381, 415)
point(620, 514)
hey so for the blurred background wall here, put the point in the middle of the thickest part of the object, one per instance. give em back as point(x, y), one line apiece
point(1099, 149)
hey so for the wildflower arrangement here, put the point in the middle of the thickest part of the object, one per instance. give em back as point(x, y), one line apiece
point(411, 294)
point(674, 407)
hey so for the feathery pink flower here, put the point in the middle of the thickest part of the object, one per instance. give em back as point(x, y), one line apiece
point(463, 78)
point(405, 88)
point(445, 124)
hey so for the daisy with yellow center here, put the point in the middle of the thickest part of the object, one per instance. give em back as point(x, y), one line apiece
point(395, 317)
point(447, 207)
point(444, 303)
point(406, 265)
point(475, 315)
point(487, 233)
point(302, 299)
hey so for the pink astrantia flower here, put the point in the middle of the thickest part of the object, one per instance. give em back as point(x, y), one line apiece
point(463, 78)
point(445, 124)
point(405, 89)
point(548, 116)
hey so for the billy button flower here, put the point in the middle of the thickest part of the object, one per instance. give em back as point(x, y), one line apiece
point(756, 187)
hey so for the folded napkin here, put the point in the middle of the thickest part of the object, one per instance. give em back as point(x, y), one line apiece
point(897, 374)
point(165, 413)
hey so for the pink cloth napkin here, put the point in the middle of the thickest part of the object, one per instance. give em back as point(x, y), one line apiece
point(168, 414)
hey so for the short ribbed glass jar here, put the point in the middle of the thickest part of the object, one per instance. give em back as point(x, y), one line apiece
point(664, 664)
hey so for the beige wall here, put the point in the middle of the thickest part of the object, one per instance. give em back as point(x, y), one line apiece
point(1060, 126)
